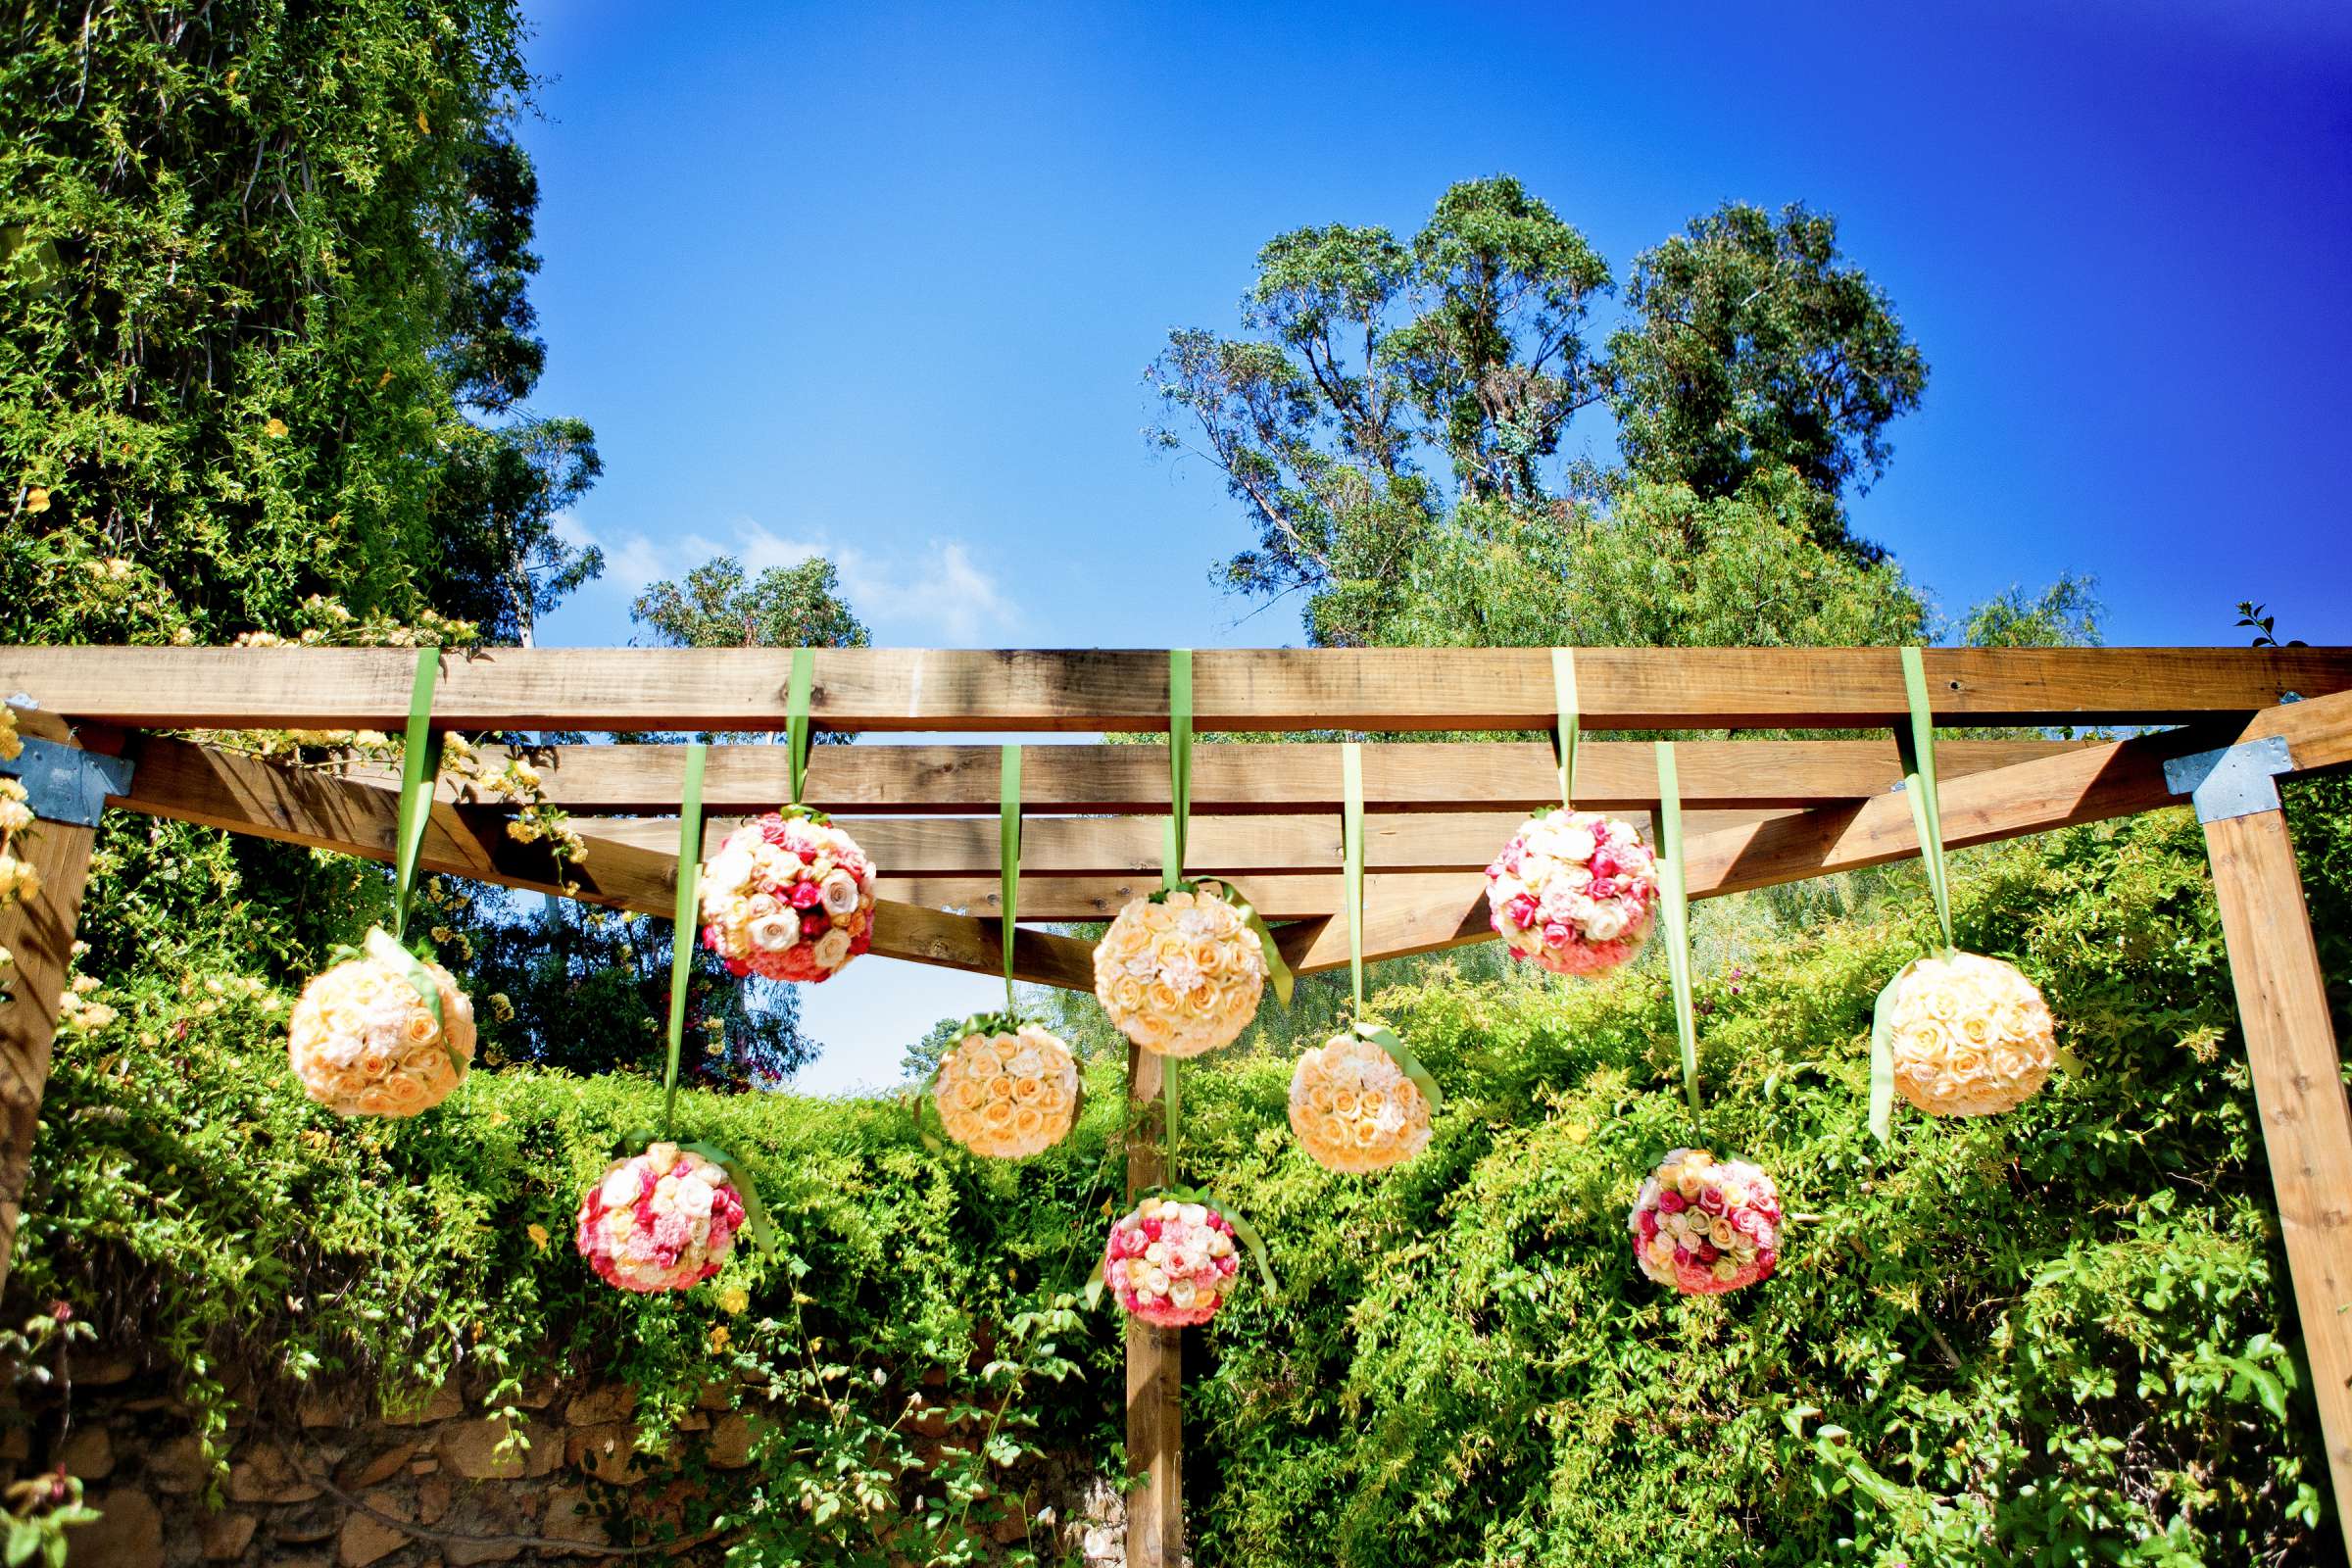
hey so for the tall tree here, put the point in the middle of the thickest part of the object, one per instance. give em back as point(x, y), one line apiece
point(264, 331)
point(1393, 416)
point(719, 606)
point(1755, 346)
point(1374, 362)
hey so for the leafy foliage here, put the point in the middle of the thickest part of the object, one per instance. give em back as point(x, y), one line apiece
point(1756, 348)
point(1391, 423)
point(264, 260)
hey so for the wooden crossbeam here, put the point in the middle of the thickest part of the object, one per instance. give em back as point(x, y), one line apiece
point(1372, 690)
point(1233, 778)
point(2093, 784)
point(219, 789)
point(1120, 846)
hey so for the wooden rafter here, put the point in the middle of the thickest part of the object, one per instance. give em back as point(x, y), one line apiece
point(1372, 690)
point(1232, 778)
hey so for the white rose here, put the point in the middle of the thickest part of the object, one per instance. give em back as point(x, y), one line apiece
point(1605, 923)
point(833, 948)
point(839, 893)
point(775, 932)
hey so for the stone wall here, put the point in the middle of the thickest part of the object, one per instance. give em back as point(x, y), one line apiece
point(325, 1484)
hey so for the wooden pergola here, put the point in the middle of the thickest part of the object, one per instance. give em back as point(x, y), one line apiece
point(1758, 812)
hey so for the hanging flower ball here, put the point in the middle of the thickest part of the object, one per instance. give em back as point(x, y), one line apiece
point(788, 897)
point(1575, 891)
point(1171, 1263)
point(1007, 1093)
point(1179, 974)
point(1972, 1036)
point(663, 1221)
point(1705, 1226)
point(364, 1042)
point(1353, 1109)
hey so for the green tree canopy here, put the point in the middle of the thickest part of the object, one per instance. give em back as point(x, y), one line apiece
point(1755, 347)
point(264, 331)
point(1391, 419)
point(720, 606)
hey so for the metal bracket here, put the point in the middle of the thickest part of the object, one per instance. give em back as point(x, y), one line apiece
point(2232, 781)
point(67, 784)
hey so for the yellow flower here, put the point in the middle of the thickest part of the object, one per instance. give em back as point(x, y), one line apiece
point(276, 428)
point(718, 1339)
point(734, 1300)
point(36, 499)
point(538, 1235)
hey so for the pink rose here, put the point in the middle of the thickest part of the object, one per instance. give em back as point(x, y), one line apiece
point(1671, 1202)
point(803, 895)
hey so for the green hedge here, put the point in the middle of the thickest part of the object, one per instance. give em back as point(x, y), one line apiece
point(2059, 1336)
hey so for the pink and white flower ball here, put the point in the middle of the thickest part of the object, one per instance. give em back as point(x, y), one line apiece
point(1706, 1227)
point(788, 897)
point(1171, 1263)
point(1576, 891)
point(663, 1221)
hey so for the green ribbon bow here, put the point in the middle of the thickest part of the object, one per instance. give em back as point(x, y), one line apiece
point(1675, 895)
point(1242, 1232)
point(1915, 744)
point(1381, 1035)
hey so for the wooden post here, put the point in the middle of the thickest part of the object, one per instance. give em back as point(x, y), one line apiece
point(1154, 1357)
point(2298, 1088)
point(38, 933)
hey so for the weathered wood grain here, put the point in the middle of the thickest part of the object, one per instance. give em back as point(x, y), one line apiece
point(1371, 690)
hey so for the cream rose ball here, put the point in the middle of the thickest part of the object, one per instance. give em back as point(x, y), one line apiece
point(1179, 974)
point(364, 1043)
point(1354, 1109)
point(1971, 1036)
point(1008, 1091)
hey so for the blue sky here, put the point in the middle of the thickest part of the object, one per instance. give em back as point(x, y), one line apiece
point(880, 282)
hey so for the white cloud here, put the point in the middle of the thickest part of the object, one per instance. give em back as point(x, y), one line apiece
point(932, 594)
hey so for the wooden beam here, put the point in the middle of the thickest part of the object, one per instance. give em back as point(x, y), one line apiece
point(2091, 785)
point(38, 934)
point(1375, 690)
point(1126, 846)
point(1279, 896)
point(2299, 1091)
point(245, 795)
point(1230, 778)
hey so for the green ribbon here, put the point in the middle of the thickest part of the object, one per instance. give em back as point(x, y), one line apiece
point(754, 1214)
point(1915, 744)
point(1917, 749)
point(795, 717)
point(1352, 856)
point(1179, 767)
point(419, 772)
point(1381, 1035)
point(1242, 1232)
point(1677, 900)
point(682, 934)
point(1009, 857)
point(1881, 1057)
point(1564, 681)
point(918, 1099)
